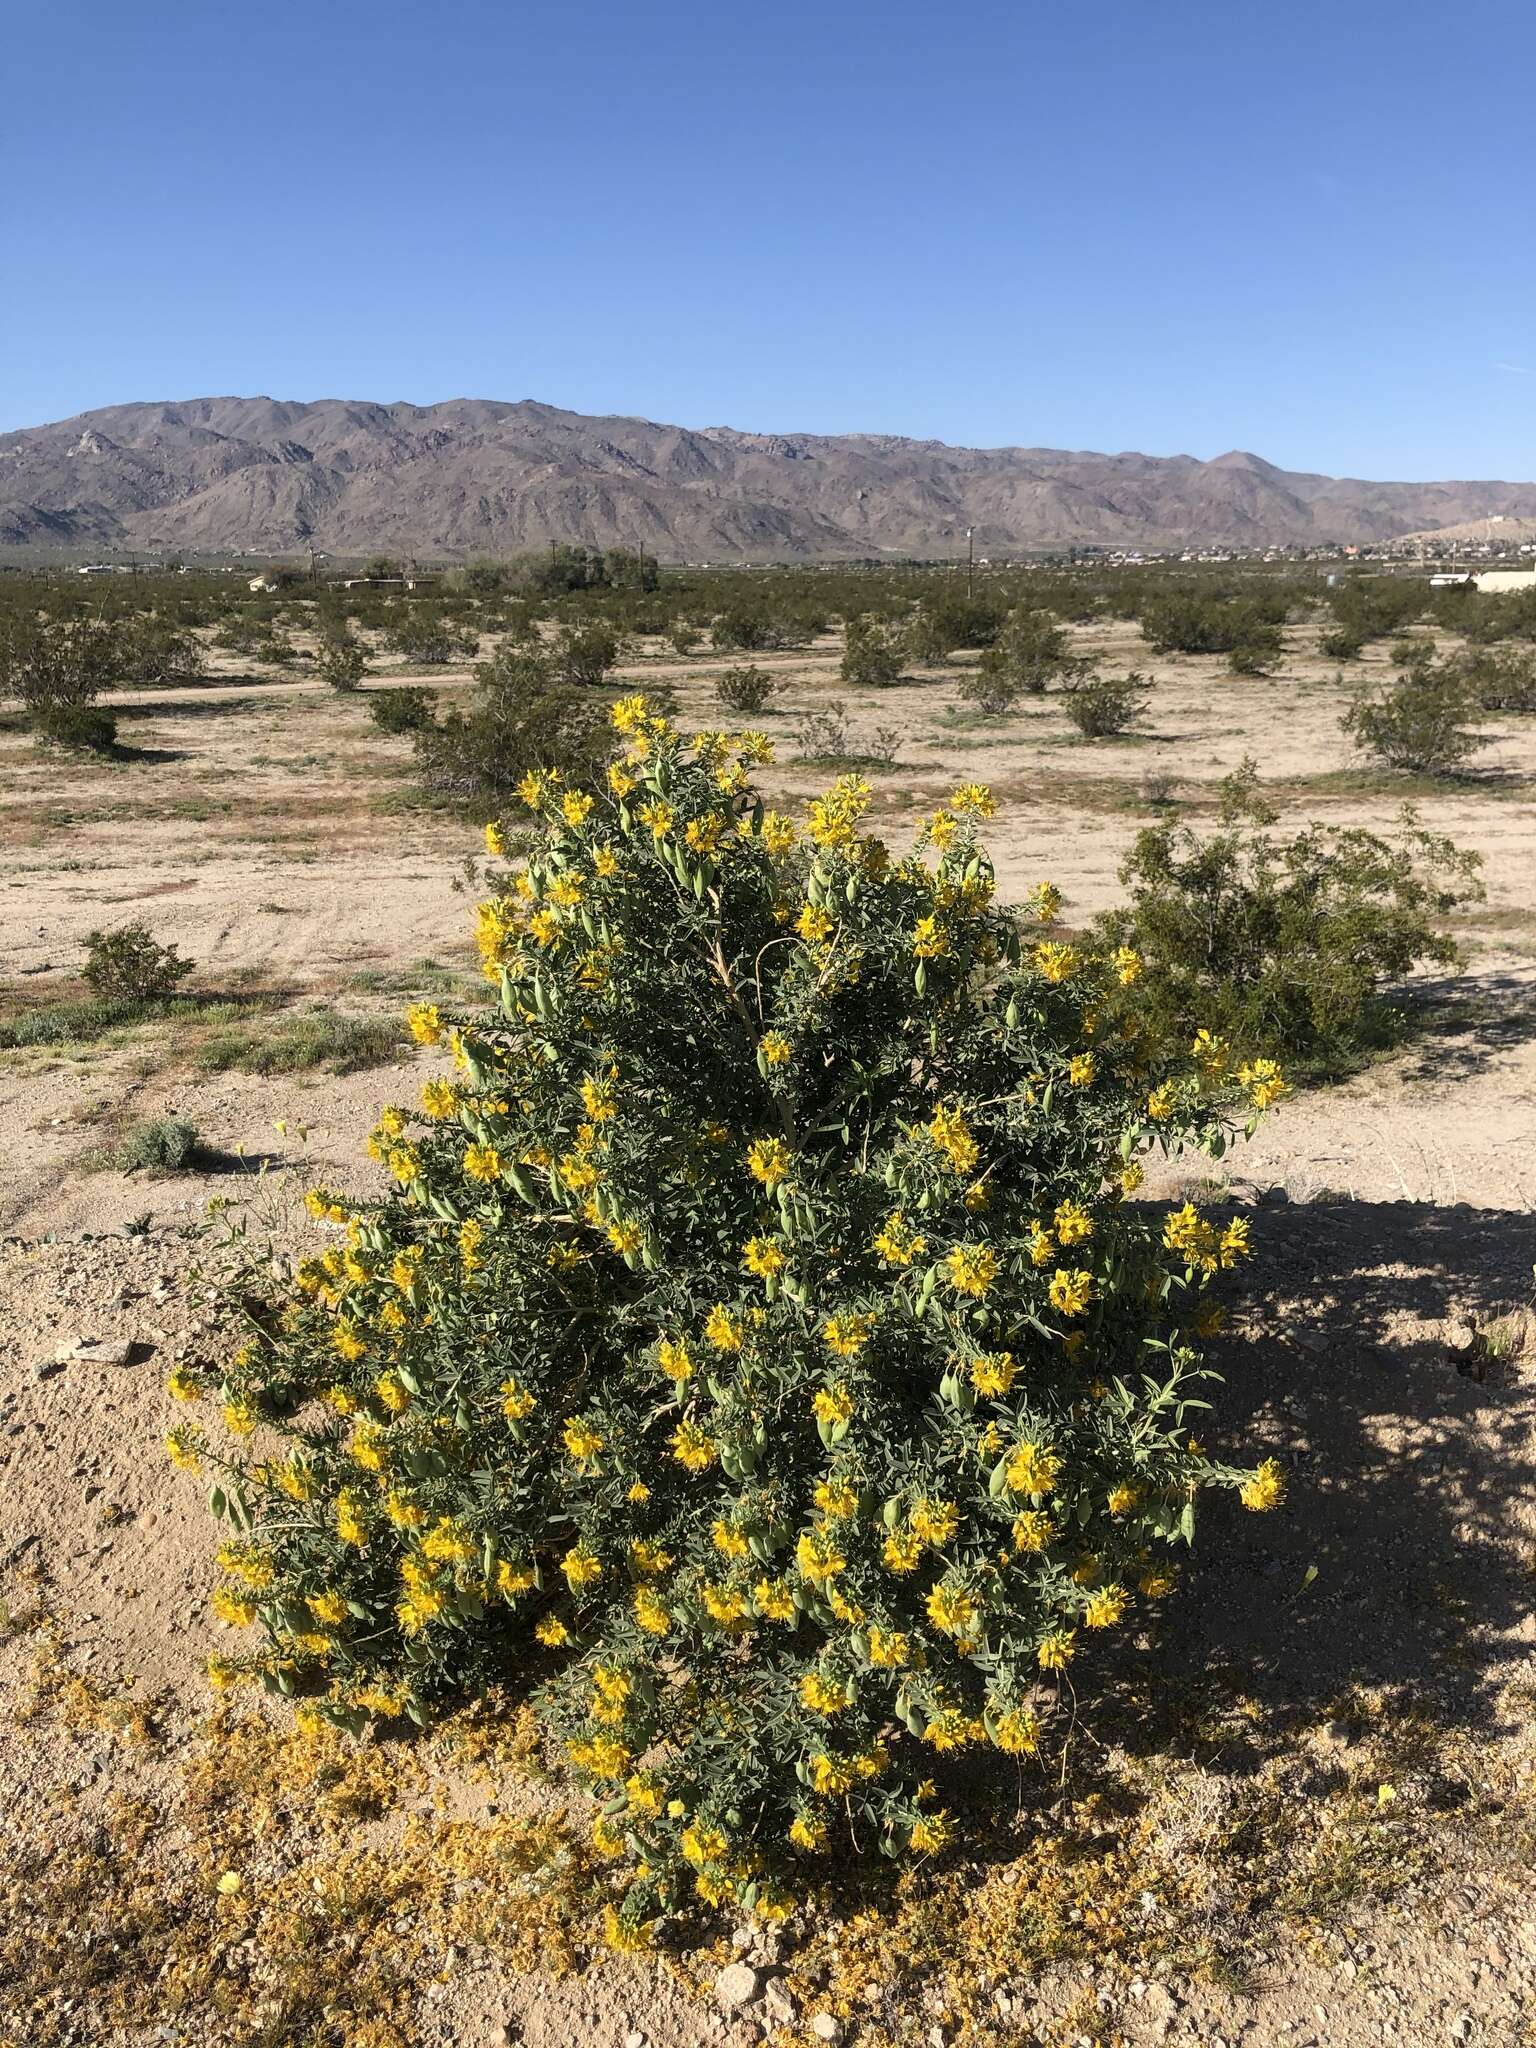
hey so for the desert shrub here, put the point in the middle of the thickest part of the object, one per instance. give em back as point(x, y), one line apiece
point(928, 636)
point(520, 716)
point(151, 649)
point(130, 964)
point(1030, 648)
point(746, 689)
point(1285, 945)
point(1255, 658)
point(1500, 680)
point(342, 663)
point(587, 654)
point(1372, 607)
point(1418, 722)
point(402, 710)
point(741, 629)
point(56, 662)
point(824, 733)
point(1342, 644)
point(1099, 705)
point(424, 634)
point(684, 636)
point(872, 653)
point(278, 651)
point(80, 728)
point(752, 1335)
point(165, 1144)
point(1192, 622)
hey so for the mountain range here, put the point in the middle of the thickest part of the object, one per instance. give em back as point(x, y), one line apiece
point(480, 477)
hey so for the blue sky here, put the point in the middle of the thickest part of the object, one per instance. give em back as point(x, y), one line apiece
point(1298, 228)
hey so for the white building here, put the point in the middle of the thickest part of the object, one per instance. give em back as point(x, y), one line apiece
point(1494, 581)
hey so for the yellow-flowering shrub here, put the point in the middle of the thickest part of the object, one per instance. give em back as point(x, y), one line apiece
point(756, 1352)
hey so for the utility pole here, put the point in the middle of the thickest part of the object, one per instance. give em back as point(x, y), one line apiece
point(970, 563)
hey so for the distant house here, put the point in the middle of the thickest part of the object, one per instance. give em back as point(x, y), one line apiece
point(260, 583)
point(1448, 582)
point(1492, 581)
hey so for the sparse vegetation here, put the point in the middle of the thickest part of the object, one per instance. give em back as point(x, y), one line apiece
point(300, 1042)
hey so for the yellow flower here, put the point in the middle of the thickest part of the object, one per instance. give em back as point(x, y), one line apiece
point(235, 1610)
point(1160, 1103)
point(768, 1161)
point(929, 942)
point(1264, 1082)
point(1057, 1650)
point(1017, 1732)
point(974, 800)
point(1070, 1293)
point(773, 1600)
point(581, 1568)
point(818, 1557)
point(845, 1336)
point(517, 1404)
point(482, 1162)
point(1033, 1531)
point(1266, 1489)
point(581, 1439)
point(934, 1521)
point(764, 1257)
point(183, 1385)
point(552, 1632)
point(951, 1134)
point(838, 1499)
point(832, 1404)
point(808, 1831)
point(888, 1649)
point(574, 807)
point(692, 1449)
point(1123, 1498)
point(902, 1551)
point(972, 1269)
point(1057, 963)
point(722, 1329)
point(993, 1372)
point(822, 1695)
point(814, 923)
point(897, 1243)
point(425, 1023)
point(776, 1048)
point(778, 833)
point(350, 1526)
point(1032, 1469)
point(952, 1609)
point(1106, 1606)
point(651, 1613)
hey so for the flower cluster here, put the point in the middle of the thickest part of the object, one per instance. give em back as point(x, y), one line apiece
point(756, 1344)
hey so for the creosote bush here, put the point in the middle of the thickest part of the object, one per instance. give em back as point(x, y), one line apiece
point(1286, 945)
point(745, 690)
point(129, 964)
point(1100, 705)
point(755, 1348)
point(1419, 722)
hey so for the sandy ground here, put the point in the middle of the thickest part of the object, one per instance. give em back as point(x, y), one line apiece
point(261, 827)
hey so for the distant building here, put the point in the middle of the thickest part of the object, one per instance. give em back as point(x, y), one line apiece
point(1491, 581)
point(1446, 582)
